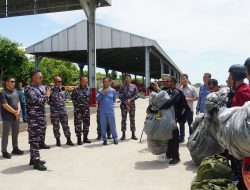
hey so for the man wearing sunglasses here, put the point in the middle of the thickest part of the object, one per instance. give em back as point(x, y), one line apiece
point(10, 112)
point(169, 85)
point(58, 111)
point(36, 96)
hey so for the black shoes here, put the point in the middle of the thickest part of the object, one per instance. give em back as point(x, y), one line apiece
point(181, 140)
point(44, 146)
point(123, 136)
point(58, 142)
point(32, 162)
point(39, 166)
point(79, 141)
point(174, 161)
point(105, 143)
point(85, 139)
point(133, 136)
point(109, 136)
point(99, 137)
point(6, 155)
point(116, 142)
point(17, 151)
point(69, 142)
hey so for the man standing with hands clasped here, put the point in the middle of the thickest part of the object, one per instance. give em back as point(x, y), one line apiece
point(10, 112)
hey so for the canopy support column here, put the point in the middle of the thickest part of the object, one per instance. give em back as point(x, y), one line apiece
point(147, 70)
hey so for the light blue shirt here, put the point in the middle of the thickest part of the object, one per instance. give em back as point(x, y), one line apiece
point(204, 91)
point(107, 101)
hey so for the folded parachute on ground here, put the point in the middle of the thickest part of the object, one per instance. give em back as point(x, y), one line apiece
point(159, 126)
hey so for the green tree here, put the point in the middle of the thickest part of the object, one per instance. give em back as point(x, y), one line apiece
point(100, 76)
point(113, 75)
point(22, 74)
point(66, 70)
point(12, 57)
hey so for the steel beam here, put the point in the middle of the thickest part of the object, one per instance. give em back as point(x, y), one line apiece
point(147, 70)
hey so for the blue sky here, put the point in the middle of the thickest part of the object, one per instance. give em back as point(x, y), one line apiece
point(198, 36)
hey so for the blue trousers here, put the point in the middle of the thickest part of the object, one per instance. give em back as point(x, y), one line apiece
point(24, 114)
point(110, 119)
point(182, 125)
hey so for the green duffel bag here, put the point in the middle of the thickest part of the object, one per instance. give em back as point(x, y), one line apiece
point(214, 167)
point(214, 184)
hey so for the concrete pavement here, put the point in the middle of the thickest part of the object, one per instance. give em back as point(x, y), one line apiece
point(126, 166)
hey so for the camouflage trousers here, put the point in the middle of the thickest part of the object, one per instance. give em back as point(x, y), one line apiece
point(36, 130)
point(124, 112)
point(56, 119)
point(81, 121)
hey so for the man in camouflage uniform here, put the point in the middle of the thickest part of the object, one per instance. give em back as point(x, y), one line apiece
point(58, 111)
point(80, 98)
point(36, 96)
point(128, 94)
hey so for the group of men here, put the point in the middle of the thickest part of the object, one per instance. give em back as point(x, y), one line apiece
point(37, 95)
point(239, 94)
point(106, 98)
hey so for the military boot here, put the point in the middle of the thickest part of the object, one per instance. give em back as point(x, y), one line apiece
point(69, 142)
point(79, 141)
point(39, 166)
point(123, 136)
point(44, 146)
point(33, 161)
point(85, 138)
point(133, 136)
point(58, 142)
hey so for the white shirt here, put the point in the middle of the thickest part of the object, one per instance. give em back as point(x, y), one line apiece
point(190, 92)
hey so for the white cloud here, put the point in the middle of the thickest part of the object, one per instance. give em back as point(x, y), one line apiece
point(192, 29)
point(190, 25)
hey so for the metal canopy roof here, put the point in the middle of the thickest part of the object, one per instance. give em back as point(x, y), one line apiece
point(10, 8)
point(116, 50)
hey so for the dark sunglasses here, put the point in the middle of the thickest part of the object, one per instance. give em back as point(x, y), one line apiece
point(59, 81)
point(12, 81)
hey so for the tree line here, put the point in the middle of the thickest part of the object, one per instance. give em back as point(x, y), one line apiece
point(14, 62)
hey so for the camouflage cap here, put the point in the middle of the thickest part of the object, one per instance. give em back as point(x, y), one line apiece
point(164, 77)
